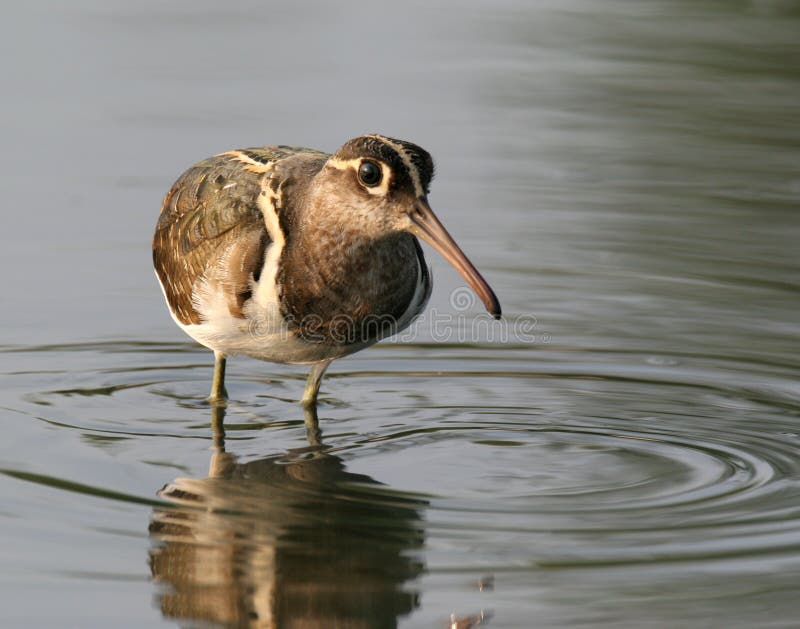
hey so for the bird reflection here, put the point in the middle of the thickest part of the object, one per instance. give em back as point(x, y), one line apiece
point(292, 540)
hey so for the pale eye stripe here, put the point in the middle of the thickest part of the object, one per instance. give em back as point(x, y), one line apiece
point(345, 164)
point(410, 167)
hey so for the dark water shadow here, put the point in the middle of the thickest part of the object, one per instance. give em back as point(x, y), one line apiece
point(285, 540)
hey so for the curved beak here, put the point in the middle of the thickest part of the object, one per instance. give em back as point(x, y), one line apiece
point(425, 225)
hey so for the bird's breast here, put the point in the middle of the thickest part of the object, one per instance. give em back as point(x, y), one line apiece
point(342, 289)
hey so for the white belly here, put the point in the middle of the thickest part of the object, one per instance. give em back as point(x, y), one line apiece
point(262, 334)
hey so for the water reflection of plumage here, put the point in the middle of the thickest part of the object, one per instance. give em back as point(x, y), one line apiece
point(286, 541)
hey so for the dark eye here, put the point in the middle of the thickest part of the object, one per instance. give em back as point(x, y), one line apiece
point(369, 173)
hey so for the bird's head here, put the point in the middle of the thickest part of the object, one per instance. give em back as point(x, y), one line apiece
point(382, 185)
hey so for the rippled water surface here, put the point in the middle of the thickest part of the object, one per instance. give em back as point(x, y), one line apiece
point(623, 450)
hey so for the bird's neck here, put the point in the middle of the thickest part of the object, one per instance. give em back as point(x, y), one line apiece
point(333, 278)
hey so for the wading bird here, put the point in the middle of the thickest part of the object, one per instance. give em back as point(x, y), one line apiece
point(292, 255)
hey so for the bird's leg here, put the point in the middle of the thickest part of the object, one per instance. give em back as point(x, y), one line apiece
point(218, 392)
point(313, 382)
point(313, 433)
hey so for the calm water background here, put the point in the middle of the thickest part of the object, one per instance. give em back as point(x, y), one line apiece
point(627, 177)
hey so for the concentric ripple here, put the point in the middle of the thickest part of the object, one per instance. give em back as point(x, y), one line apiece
point(515, 464)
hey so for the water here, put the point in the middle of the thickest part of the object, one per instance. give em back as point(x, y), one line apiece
point(622, 450)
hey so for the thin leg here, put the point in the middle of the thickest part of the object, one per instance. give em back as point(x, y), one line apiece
point(313, 382)
point(218, 392)
point(313, 433)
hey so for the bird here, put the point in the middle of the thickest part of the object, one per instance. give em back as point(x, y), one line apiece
point(297, 256)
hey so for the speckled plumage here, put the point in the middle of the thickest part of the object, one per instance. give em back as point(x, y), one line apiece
point(287, 254)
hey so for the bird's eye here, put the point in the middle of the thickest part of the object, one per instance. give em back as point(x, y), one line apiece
point(369, 173)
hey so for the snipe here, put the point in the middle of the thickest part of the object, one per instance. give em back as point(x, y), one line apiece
point(292, 255)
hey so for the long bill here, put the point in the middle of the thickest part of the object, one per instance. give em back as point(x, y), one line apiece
point(425, 225)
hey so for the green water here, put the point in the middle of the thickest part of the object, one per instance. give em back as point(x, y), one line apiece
point(623, 450)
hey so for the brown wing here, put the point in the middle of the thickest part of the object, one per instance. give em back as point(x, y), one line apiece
point(210, 230)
